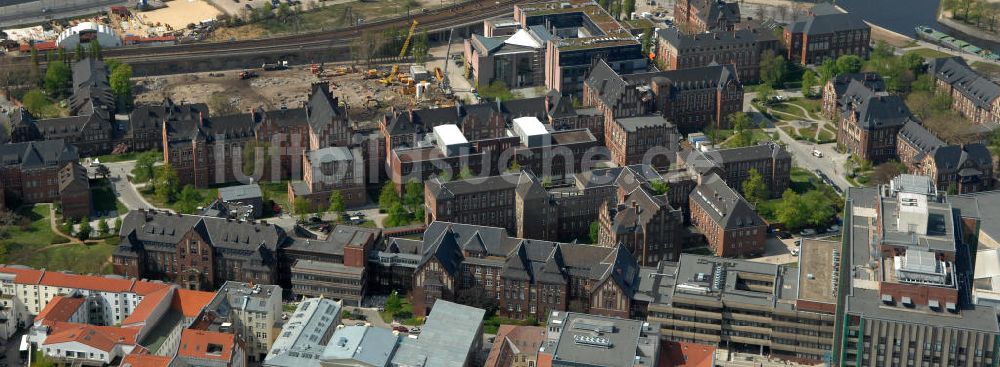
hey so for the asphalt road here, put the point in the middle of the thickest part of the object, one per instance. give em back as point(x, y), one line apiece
point(124, 189)
point(832, 163)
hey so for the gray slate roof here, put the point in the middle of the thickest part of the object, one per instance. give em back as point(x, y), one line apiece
point(725, 206)
point(239, 192)
point(918, 137)
point(37, 154)
point(610, 86)
point(958, 74)
point(257, 239)
point(826, 23)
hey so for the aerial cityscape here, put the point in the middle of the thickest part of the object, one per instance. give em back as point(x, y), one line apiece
point(508, 183)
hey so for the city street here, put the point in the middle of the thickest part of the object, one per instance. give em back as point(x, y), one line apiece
point(124, 189)
point(832, 163)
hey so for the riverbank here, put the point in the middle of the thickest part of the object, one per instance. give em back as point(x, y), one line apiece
point(971, 34)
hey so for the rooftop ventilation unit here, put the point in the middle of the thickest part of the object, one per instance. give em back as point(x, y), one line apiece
point(592, 341)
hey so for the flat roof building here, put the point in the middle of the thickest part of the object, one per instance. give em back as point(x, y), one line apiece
point(580, 340)
point(305, 334)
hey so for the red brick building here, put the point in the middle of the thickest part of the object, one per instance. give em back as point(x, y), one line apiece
point(975, 97)
point(869, 123)
point(699, 16)
point(691, 99)
point(645, 224)
point(741, 48)
point(827, 33)
point(330, 169)
point(524, 278)
point(45, 172)
point(730, 224)
point(835, 90)
point(630, 139)
point(197, 252)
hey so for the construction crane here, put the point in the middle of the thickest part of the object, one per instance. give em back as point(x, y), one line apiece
point(402, 53)
point(447, 59)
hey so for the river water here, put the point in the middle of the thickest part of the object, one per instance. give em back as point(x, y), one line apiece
point(899, 16)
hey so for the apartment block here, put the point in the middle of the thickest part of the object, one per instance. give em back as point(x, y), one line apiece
point(251, 312)
point(827, 32)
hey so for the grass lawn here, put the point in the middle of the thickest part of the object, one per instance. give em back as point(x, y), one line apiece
point(807, 133)
point(406, 309)
point(929, 53)
point(802, 181)
point(786, 109)
point(51, 110)
point(986, 67)
point(758, 136)
point(825, 136)
point(24, 245)
point(812, 105)
point(207, 195)
point(110, 158)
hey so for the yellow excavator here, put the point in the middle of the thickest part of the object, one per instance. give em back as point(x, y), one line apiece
point(402, 53)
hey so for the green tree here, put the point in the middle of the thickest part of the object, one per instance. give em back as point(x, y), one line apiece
point(647, 38)
point(595, 231)
point(397, 216)
point(95, 49)
point(58, 78)
point(144, 163)
point(420, 47)
point(35, 72)
point(118, 224)
point(78, 54)
point(754, 188)
point(604, 4)
point(413, 194)
point(660, 187)
point(121, 86)
point(465, 173)
point(743, 133)
point(496, 90)
point(849, 64)
point(773, 68)
point(337, 202)
point(301, 206)
point(253, 152)
point(165, 183)
point(764, 93)
point(808, 82)
point(188, 199)
point(791, 210)
point(388, 197)
point(818, 208)
point(393, 303)
point(36, 102)
point(628, 7)
point(103, 227)
point(85, 229)
point(112, 64)
point(827, 70)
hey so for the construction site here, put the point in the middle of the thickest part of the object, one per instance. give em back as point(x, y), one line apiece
point(364, 91)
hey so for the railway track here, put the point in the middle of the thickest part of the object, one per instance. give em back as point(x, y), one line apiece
point(436, 19)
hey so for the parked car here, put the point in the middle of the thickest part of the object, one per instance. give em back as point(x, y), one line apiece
point(808, 232)
point(798, 242)
point(795, 252)
point(784, 235)
point(816, 153)
point(833, 229)
point(401, 329)
point(415, 330)
point(359, 324)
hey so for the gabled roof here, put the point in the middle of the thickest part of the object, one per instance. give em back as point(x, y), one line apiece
point(36, 154)
point(611, 86)
point(524, 38)
point(322, 108)
point(103, 338)
point(189, 303)
point(918, 137)
point(60, 309)
point(826, 23)
point(145, 360)
point(142, 226)
point(486, 45)
point(726, 207)
point(957, 73)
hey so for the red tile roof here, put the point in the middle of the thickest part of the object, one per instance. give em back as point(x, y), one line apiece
point(190, 303)
point(40, 46)
point(145, 360)
point(195, 344)
point(146, 307)
point(679, 354)
point(100, 337)
point(96, 283)
point(90, 282)
point(23, 276)
point(59, 309)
